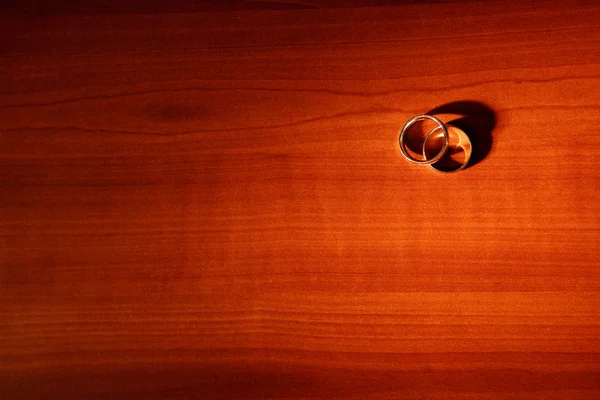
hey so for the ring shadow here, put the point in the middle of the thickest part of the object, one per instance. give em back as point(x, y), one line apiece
point(477, 121)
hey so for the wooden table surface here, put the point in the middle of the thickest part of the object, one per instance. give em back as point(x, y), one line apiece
point(208, 201)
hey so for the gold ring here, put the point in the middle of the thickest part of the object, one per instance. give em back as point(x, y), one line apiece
point(426, 160)
point(458, 142)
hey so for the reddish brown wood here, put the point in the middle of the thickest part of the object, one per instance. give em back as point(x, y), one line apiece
point(62, 7)
point(214, 205)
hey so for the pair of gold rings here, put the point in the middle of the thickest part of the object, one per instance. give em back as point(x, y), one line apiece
point(445, 147)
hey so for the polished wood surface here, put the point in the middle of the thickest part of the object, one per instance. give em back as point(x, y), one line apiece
point(214, 205)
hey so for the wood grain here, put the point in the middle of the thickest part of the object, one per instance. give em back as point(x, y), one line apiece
point(92, 7)
point(214, 205)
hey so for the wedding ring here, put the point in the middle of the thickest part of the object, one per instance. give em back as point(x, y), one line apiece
point(458, 143)
point(426, 161)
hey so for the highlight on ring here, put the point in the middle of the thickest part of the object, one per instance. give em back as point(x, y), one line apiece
point(452, 155)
